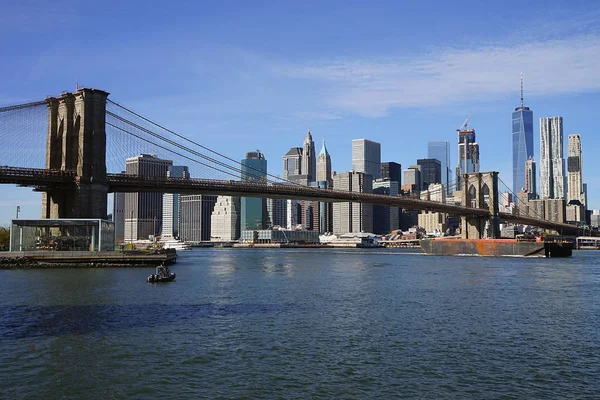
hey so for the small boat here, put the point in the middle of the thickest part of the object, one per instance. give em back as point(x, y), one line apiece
point(176, 244)
point(162, 275)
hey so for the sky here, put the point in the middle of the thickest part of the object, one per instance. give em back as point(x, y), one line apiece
point(239, 76)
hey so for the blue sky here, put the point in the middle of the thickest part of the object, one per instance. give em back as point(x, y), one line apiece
point(239, 76)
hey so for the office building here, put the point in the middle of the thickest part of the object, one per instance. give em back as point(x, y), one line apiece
point(385, 218)
point(253, 210)
point(225, 220)
point(555, 210)
point(309, 161)
point(353, 217)
point(431, 171)
point(324, 167)
point(522, 142)
point(412, 179)
point(118, 216)
point(195, 213)
point(552, 163)
point(575, 190)
point(292, 163)
point(468, 154)
point(171, 202)
point(440, 150)
point(391, 171)
point(143, 210)
point(530, 179)
point(366, 157)
point(276, 213)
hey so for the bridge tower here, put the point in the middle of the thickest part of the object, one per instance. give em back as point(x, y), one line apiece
point(480, 190)
point(77, 142)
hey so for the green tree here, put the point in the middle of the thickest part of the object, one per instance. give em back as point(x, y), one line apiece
point(4, 238)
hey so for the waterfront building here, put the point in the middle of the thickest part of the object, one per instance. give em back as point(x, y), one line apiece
point(574, 170)
point(385, 218)
point(118, 216)
point(225, 225)
point(537, 208)
point(276, 213)
point(309, 161)
point(294, 213)
point(434, 223)
point(171, 203)
point(434, 192)
point(595, 219)
point(280, 236)
point(292, 163)
point(253, 210)
point(366, 157)
point(391, 171)
point(440, 150)
point(555, 210)
point(552, 163)
point(143, 211)
point(352, 217)
point(522, 143)
point(530, 178)
point(195, 212)
point(431, 171)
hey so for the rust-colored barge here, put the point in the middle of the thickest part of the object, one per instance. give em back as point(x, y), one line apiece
point(495, 247)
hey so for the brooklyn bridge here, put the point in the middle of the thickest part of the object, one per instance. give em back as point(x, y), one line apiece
point(72, 149)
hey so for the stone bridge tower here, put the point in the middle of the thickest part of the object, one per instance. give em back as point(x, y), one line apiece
point(77, 142)
point(480, 190)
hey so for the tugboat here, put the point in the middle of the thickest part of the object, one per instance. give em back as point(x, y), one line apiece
point(162, 275)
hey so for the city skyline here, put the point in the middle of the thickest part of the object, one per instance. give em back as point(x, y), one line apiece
point(219, 86)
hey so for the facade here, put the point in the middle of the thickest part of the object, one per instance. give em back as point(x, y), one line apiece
point(224, 219)
point(575, 192)
point(352, 217)
point(468, 155)
point(431, 171)
point(171, 216)
point(143, 211)
point(434, 223)
point(292, 162)
point(530, 178)
point(391, 171)
point(412, 179)
point(522, 143)
point(253, 210)
point(276, 213)
point(118, 216)
point(385, 219)
point(324, 167)
point(309, 161)
point(555, 210)
point(366, 157)
point(195, 211)
point(441, 151)
point(536, 209)
point(552, 163)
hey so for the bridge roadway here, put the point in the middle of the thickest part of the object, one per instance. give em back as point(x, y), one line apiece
point(43, 179)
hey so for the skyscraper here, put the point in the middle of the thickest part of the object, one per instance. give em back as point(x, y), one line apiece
point(143, 211)
point(324, 166)
point(441, 151)
point(309, 161)
point(324, 180)
point(574, 170)
point(171, 202)
point(530, 178)
point(431, 171)
point(391, 171)
point(522, 142)
point(366, 157)
point(253, 210)
point(292, 163)
point(195, 211)
point(468, 154)
point(552, 163)
point(224, 220)
point(352, 217)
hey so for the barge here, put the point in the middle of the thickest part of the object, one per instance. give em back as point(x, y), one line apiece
point(495, 247)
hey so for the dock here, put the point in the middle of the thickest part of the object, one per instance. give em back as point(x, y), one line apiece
point(86, 259)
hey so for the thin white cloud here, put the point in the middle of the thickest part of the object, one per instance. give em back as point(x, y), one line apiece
point(373, 87)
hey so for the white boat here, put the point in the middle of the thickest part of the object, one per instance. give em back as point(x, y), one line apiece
point(176, 244)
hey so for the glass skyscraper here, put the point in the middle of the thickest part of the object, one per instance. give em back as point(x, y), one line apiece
point(441, 152)
point(253, 210)
point(522, 142)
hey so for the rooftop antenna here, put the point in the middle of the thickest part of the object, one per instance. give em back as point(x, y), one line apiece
point(521, 90)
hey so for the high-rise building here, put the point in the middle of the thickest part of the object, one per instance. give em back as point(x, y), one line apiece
point(574, 170)
point(412, 179)
point(441, 151)
point(309, 161)
point(431, 171)
point(292, 163)
point(195, 212)
point(530, 178)
point(143, 211)
point(468, 154)
point(385, 218)
point(225, 219)
point(552, 163)
point(366, 157)
point(324, 166)
point(170, 212)
point(118, 215)
point(253, 210)
point(522, 142)
point(391, 171)
point(352, 217)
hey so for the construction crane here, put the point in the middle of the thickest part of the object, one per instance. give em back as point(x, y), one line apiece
point(464, 124)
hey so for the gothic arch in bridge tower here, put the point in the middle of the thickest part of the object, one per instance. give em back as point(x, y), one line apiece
point(482, 193)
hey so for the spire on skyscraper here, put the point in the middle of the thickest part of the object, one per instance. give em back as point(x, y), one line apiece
point(323, 150)
point(521, 90)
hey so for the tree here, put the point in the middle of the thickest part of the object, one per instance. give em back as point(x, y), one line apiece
point(4, 238)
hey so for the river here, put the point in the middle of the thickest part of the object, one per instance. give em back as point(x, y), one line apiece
point(307, 324)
